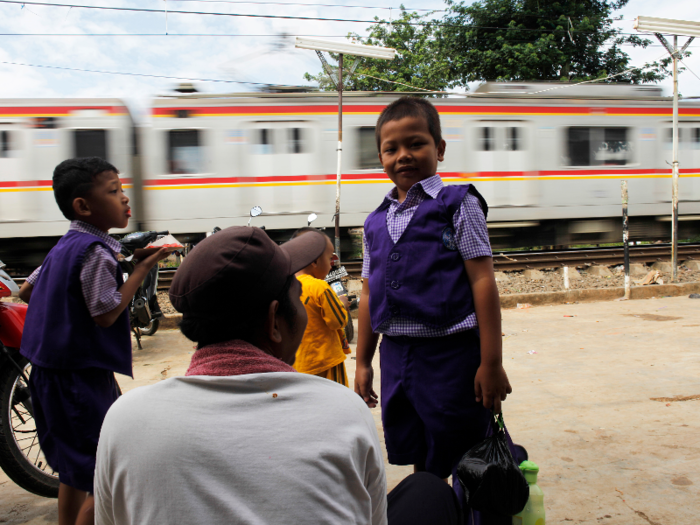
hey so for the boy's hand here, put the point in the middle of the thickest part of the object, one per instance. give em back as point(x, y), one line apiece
point(344, 299)
point(491, 386)
point(364, 376)
point(150, 261)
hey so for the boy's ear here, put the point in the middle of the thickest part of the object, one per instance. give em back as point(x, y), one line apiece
point(81, 207)
point(271, 327)
point(441, 150)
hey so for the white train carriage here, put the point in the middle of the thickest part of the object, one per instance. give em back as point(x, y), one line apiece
point(547, 158)
point(37, 134)
point(546, 162)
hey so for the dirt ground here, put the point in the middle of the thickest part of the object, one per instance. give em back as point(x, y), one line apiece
point(606, 400)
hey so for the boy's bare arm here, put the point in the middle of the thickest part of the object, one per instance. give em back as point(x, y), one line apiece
point(128, 289)
point(491, 384)
point(25, 291)
point(366, 346)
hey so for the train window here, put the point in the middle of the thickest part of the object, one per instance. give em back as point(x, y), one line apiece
point(695, 138)
point(184, 151)
point(263, 143)
point(599, 146)
point(295, 142)
point(90, 143)
point(513, 139)
point(367, 158)
point(6, 144)
point(487, 139)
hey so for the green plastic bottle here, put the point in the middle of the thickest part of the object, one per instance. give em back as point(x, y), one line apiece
point(533, 513)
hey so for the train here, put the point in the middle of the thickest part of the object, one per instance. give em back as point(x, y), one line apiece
point(548, 158)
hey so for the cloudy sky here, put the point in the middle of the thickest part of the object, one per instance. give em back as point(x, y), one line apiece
point(226, 48)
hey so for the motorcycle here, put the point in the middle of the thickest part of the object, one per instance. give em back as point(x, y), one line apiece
point(144, 310)
point(20, 453)
point(334, 279)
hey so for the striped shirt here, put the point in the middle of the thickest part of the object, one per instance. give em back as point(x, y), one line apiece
point(472, 239)
point(97, 275)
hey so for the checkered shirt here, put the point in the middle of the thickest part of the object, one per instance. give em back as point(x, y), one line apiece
point(97, 276)
point(472, 239)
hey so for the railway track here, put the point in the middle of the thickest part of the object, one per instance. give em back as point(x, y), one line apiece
point(513, 261)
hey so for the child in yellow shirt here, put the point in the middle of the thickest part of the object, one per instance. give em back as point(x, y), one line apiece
point(321, 351)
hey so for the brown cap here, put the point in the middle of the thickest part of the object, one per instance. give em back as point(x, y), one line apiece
point(239, 268)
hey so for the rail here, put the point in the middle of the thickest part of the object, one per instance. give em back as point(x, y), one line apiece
point(514, 261)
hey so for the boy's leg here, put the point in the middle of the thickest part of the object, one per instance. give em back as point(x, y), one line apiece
point(86, 515)
point(70, 500)
point(71, 405)
point(404, 432)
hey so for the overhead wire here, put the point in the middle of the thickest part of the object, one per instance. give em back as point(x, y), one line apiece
point(310, 5)
point(147, 75)
point(291, 17)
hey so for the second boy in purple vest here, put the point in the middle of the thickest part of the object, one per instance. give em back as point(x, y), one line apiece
point(429, 288)
point(76, 334)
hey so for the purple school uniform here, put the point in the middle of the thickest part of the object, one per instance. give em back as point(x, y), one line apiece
point(429, 410)
point(73, 360)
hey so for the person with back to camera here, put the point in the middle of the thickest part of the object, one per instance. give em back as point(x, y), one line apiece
point(243, 438)
point(429, 288)
point(76, 334)
point(321, 350)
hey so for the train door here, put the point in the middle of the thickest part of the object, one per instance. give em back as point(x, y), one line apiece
point(282, 158)
point(504, 151)
point(688, 159)
point(12, 158)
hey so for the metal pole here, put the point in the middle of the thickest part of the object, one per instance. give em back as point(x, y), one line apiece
point(625, 237)
point(674, 198)
point(340, 151)
point(566, 277)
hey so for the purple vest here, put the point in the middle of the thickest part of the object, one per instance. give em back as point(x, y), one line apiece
point(59, 331)
point(422, 276)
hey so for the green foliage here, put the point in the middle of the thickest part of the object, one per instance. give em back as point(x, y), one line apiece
point(503, 40)
point(566, 40)
point(418, 62)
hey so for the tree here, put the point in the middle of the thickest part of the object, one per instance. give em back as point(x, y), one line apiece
point(417, 64)
point(521, 40)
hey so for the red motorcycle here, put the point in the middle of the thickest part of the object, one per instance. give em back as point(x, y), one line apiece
point(20, 454)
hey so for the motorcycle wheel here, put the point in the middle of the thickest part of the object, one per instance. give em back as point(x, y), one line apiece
point(20, 453)
point(151, 328)
point(350, 329)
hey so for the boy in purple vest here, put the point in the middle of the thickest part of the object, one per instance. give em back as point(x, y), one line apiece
point(76, 334)
point(429, 289)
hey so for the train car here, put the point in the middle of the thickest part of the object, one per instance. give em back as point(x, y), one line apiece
point(37, 134)
point(549, 160)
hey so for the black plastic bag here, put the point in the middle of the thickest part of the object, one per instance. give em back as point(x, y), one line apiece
point(490, 477)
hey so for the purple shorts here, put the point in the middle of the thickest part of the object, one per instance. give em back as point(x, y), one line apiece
point(429, 410)
point(69, 408)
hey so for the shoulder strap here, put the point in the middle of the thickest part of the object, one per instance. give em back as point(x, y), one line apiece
point(482, 201)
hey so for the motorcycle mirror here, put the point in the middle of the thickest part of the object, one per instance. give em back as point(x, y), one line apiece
point(254, 212)
point(311, 218)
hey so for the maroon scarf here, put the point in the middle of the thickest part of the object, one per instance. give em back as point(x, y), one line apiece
point(233, 358)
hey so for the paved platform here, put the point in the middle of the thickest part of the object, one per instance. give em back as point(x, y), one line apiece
point(606, 400)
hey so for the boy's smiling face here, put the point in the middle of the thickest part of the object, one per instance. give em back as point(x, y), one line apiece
point(408, 152)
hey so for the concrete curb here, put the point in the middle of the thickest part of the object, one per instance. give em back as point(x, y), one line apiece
point(586, 295)
point(599, 294)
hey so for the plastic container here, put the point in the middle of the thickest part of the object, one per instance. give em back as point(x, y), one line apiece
point(533, 513)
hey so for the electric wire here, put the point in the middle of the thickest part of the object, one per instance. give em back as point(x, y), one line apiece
point(291, 17)
point(311, 5)
point(125, 73)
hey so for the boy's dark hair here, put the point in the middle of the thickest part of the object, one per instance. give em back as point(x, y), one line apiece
point(410, 107)
point(303, 230)
point(74, 178)
point(211, 329)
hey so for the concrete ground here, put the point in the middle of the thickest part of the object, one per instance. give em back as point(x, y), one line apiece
point(606, 400)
